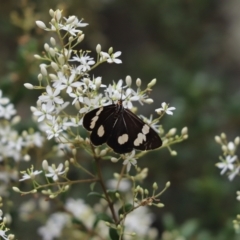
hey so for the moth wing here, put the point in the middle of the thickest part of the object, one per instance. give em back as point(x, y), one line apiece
point(120, 140)
point(100, 121)
point(143, 137)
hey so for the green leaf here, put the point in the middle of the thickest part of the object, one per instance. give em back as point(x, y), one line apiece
point(113, 234)
point(96, 194)
point(125, 208)
point(104, 217)
point(92, 185)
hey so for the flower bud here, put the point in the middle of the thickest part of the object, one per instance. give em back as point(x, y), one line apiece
point(26, 158)
point(231, 146)
point(53, 41)
point(116, 175)
point(11, 237)
point(58, 14)
point(237, 141)
point(103, 152)
point(40, 77)
point(46, 47)
point(15, 189)
point(45, 165)
point(168, 184)
point(52, 52)
point(43, 69)
point(138, 82)
point(114, 160)
point(173, 153)
point(184, 131)
point(98, 48)
point(110, 50)
point(37, 56)
point(16, 120)
point(54, 66)
point(41, 24)
point(128, 80)
point(51, 13)
point(172, 132)
point(66, 163)
point(149, 100)
point(28, 85)
point(81, 37)
point(33, 109)
point(155, 186)
point(152, 83)
point(223, 136)
point(224, 148)
point(98, 82)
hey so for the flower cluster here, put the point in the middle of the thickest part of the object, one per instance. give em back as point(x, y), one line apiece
point(68, 88)
point(68, 92)
point(229, 160)
point(3, 229)
point(13, 144)
point(138, 222)
point(230, 164)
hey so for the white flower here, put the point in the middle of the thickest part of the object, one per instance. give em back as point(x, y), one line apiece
point(139, 221)
point(130, 160)
point(53, 129)
point(122, 185)
point(30, 174)
point(90, 103)
point(80, 24)
point(54, 226)
point(70, 28)
point(34, 139)
point(111, 58)
point(85, 62)
point(166, 109)
point(227, 164)
point(81, 211)
point(68, 83)
point(74, 122)
point(8, 111)
point(233, 174)
point(51, 97)
point(55, 172)
point(44, 112)
point(3, 234)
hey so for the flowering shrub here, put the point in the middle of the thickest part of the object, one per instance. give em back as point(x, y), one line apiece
point(67, 91)
point(229, 164)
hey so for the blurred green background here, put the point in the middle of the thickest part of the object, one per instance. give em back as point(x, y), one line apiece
point(193, 49)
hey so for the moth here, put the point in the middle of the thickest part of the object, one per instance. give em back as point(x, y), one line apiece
point(121, 129)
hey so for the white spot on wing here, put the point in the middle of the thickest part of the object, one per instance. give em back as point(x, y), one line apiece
point(93, 122)
point(94, 119)
point(99, 111)
point(123, 139)
point(145, 129)
point(100, 131)
point(141, 137)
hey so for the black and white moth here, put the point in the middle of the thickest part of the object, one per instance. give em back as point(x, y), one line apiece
point(121, 129)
